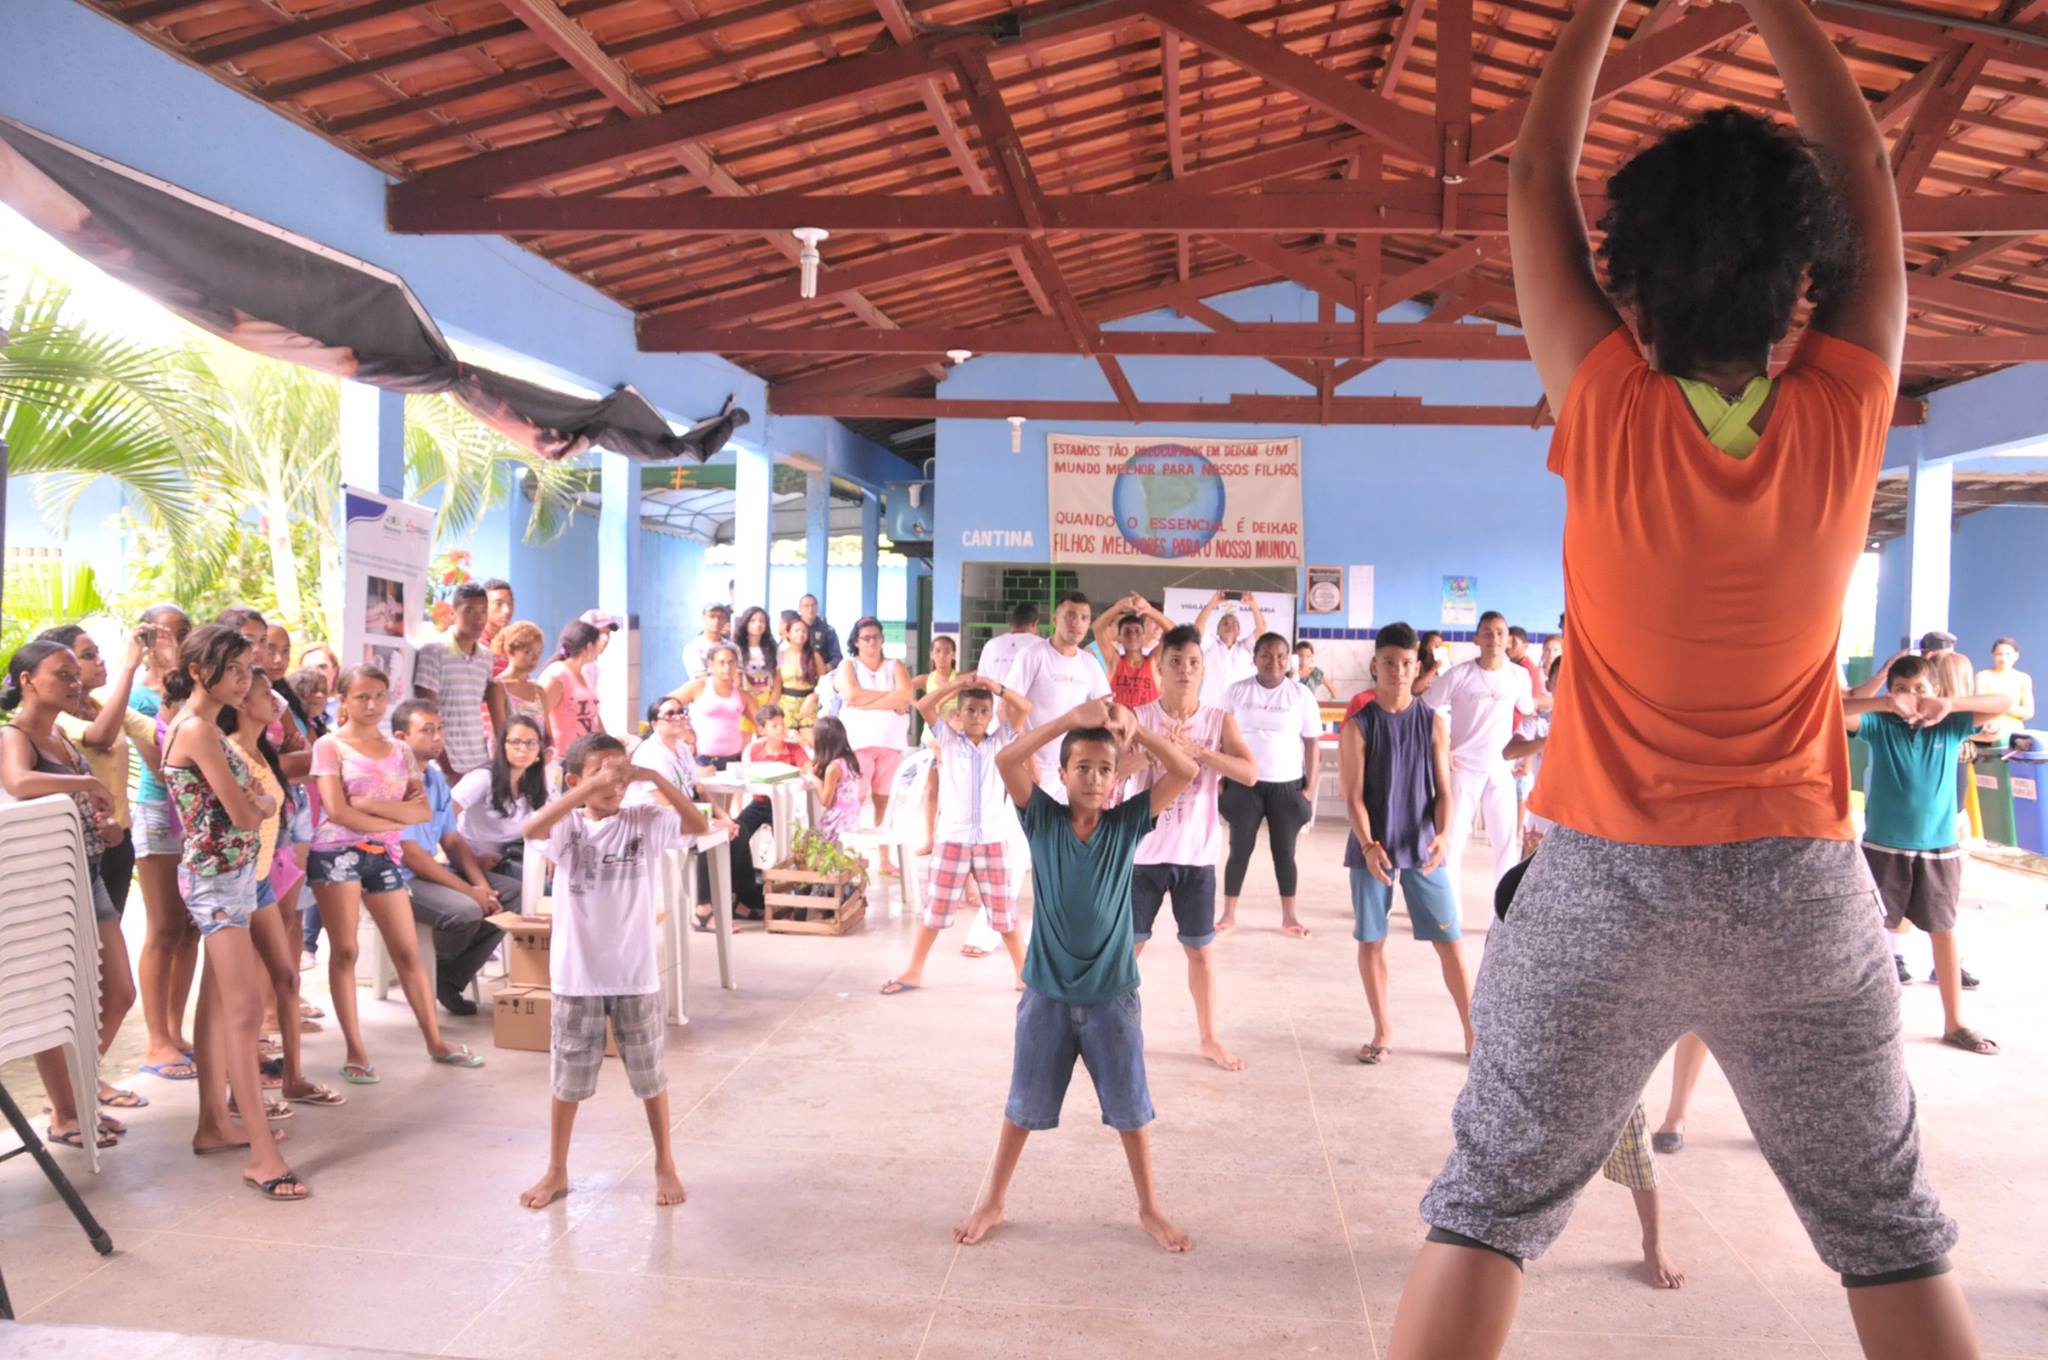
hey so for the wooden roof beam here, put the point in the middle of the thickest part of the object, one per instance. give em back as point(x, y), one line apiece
point(573, 43)
point(1404, 42)
point(1411, 134)
point(1958, 69)
point(1925, 291)
point(1240, 408)
point(1228, 339)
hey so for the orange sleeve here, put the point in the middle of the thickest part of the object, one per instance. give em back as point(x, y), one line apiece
point(1606, 361)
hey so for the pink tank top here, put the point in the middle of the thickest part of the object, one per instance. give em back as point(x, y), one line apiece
point(576, 711)
point(717, 720)
point(1189, 831)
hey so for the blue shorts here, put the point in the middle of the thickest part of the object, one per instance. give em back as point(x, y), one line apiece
point(374, 869)
point(219, 901)
point(157, 831)
point(1432, 905)
point(1107, 1035)
point(266, 896)
point(1193, 889)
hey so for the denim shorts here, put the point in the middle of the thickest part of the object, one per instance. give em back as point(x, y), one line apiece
point(1432, 905)
point(1193, 890)
point(157, 831)
point(266, 896)
point(1108, 1036)
point(104, 912)
point(219, 901)
point(374, 869)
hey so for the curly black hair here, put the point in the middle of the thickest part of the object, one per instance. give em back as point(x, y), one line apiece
point(1713, 233)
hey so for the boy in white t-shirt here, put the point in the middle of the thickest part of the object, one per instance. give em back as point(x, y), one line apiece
point(602, 961)
point(976, 819)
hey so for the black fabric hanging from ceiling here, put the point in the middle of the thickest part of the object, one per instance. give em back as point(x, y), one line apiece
point(280, 295)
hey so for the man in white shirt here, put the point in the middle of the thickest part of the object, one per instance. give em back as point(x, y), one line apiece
point(1177, 858)
point(1055, 676)
point(1484, 697)
point(1000, 652)
point(1227, 658)
point(697, 651)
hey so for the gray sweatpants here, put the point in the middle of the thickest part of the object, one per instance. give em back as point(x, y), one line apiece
point(1774, 953)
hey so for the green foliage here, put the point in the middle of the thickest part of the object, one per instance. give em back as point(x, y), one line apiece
point(241, 575)
point(819, 854)
point(42, 595)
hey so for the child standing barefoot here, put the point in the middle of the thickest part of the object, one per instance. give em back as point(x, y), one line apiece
point(1081, 975)
point(602, 962)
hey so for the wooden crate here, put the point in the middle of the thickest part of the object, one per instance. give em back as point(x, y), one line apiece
point(795, 913)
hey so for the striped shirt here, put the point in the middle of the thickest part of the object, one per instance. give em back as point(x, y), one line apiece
point(458, 682)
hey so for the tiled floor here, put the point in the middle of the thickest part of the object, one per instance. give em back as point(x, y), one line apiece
point(830, 1138)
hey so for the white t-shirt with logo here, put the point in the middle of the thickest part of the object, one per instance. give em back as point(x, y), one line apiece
point(480, 823)
point(1000, 653)
point(1054, 684)
point(1483, 705)
point(1274, 722)
point(1223, 667)
point(605, 937)
point(1189, 831)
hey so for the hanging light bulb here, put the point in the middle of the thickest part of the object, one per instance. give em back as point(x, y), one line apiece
point(1016, 434)
point(959, 356)
point(808, 258)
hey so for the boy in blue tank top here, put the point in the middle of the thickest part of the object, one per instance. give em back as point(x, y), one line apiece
point(1394, 761)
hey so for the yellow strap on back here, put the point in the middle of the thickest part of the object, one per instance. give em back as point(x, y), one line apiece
point(1727, 422)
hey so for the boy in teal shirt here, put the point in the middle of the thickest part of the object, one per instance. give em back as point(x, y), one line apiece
point(1081, 974)
point(1909, 834)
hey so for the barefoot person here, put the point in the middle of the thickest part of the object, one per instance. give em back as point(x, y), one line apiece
point(1081, 974)
point(1703, 874)
point(975, 819)
point(1484, 697)
point(1394, 761)
point(602, 962)
point(1177, 859)
point(1909, 833)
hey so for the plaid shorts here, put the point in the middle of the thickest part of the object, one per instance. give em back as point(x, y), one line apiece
point(1630, 1163)
point(576, 1027)
point(953, 864)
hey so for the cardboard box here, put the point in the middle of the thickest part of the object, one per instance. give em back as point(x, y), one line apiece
point(526, 950)
point(520, 1017)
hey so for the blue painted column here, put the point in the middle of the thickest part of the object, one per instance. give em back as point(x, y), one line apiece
point(817, 533)
point(870, 553)
point(753, 526)
point(1930, 510)
point(373, 438)
point(618, 589)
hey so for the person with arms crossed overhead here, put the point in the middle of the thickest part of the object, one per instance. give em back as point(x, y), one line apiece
point(1054, 675)
point(1484, 697)
point(1227, 656)
point(1178, 857)
point(1704, 868)
point(1081, 973)
point(1127, 635)
point(975, 818)
point(1394, 761)
point(1282, 725)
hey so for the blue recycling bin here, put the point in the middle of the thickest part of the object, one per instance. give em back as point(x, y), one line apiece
point(2030, 800)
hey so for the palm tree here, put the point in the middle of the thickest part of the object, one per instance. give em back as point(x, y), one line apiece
point(78, 403)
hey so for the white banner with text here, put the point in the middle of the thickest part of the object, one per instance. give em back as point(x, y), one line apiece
point(1168, 499)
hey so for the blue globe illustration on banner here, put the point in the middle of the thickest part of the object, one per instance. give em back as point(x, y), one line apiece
point(1168, 501)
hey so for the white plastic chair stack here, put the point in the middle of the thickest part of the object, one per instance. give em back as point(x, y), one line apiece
point(49, 947)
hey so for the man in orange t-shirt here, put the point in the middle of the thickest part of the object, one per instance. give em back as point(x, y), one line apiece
point(1703, 874)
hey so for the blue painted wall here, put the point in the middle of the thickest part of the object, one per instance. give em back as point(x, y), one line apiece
point(1999, 585)
point(1417, 502)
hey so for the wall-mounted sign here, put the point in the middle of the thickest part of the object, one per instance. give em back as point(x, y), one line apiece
point(998, 538)
point(1163, 499)
point(1461, 601)
point(1324, 591)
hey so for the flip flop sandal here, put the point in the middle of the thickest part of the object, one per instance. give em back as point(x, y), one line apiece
point(76, 1138)
point(310, 1026)
point(1667, 1143)
point(311, 1012)
point(461, 1057)
point(897, 987)
point(168, 1071)
point(973, 951)
point(1295, 932)
point(1970, 1041)
point(268, 1189)
point(704, 923)
point(125, 1100)
point(1372, 1055)
point(359, 1074)
point(319, 1095)
point(273, 1110)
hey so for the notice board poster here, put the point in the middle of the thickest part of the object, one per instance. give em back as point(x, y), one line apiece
point(1461, 602)
point(1171, 499)
point(385, 545)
